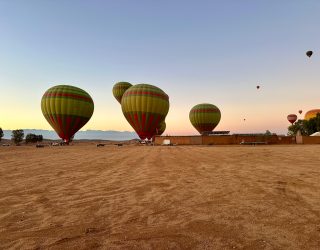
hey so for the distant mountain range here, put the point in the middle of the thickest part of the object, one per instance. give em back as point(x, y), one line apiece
point(81, 135)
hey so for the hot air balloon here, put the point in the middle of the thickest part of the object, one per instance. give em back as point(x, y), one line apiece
point(205, 117)
point(300, 111)
point(67, 109)
point(145, 106)
point(161, 128)
point(119, 88)
point(309, 53)
point(258, 87)
point(292, 118)
point(311, 114)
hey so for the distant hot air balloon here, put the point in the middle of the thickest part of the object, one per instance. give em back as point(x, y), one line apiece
point(292, 118)
point(119, 88)
point(258, 87)
point(300, 111)
point(244, 119)
point(204, 117)
point(309, 53)
point(145, 106)
point(67, 109)
point(161, 128)
point(311, 114)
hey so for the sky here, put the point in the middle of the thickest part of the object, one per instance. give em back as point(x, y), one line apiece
point(196, 51)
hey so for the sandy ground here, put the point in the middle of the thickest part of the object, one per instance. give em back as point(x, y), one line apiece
point(144, 197)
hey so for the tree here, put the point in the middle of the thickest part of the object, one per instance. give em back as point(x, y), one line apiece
point(306, 127)
point(40, 138)
point(267, 133)
point(30, 138)
point(33, 138)
point(297, 126)
point(1, 134)
point(313, 125)
point(17, 136)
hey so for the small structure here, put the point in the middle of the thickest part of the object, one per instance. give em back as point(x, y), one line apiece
point(219, 133)
point(166, 142)
point(316, 134)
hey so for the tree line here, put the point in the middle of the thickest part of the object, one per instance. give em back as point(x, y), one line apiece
point(17, 137)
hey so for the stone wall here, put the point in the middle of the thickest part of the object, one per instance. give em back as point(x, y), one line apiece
point(225, 139)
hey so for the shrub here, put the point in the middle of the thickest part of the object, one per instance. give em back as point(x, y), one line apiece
point(33, 138)
point(17, 136)
point(1, 134)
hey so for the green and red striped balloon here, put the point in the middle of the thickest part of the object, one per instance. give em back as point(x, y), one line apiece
point(145, 106)
point(119, 88)
point(161, 128)
point(205, 117)
point(67, 109)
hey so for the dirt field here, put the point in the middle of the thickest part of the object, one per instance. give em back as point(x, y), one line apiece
point(144, 197)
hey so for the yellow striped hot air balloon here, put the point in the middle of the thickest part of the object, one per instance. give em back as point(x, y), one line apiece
point(311, 114)
point(205, 117)
point(67, 109)
point(119, 88)
point(145, 106)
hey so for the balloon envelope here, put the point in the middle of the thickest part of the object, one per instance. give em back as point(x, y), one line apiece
point(309, 53)
point(119, 88)
point(205, 117)
point(311, 114)
point(300, 112)
point(145, 106)
point(292, 118)
point(161, 128)
point(67, 109)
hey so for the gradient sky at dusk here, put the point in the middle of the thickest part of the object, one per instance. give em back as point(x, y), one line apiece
point(196, 51)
